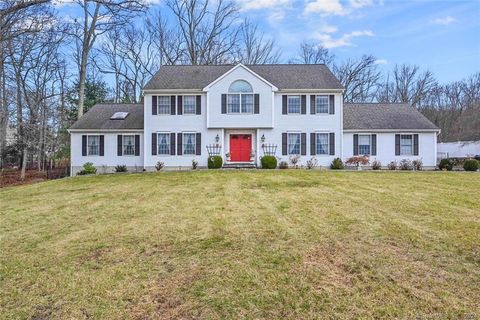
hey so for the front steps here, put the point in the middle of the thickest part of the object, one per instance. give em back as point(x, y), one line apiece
point(239, 165)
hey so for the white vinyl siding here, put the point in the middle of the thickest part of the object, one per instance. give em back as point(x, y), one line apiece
point(93, 145)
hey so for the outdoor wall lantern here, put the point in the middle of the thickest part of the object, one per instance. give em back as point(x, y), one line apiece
point(217, 138)
point(262, 138)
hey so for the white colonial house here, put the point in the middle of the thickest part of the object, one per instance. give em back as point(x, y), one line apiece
point(243, 112)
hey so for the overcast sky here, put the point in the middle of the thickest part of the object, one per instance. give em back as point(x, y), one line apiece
point(443, 36)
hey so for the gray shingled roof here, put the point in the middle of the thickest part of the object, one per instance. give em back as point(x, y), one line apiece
point(366, 116)
point(98, 117)
point(283, 76)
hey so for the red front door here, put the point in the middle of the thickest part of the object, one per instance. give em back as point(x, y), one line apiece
point(240, 147)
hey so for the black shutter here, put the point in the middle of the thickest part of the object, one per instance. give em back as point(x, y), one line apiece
point(332, 144)
point(415, 144)
point(312, 104)
point(397, 144)
point(256, 103)
point(137, 144)
point(180, 105)
point(355, 144)
point(224, 103)
point(172, 105)
point(332, 104)
point(198, 144)
point(179, 144)
point(154, 105)
point(374, 144)
point(303, 145)
point(284, 104)
point(313, 147)
point(102, 145)
point(172, 144)
point(284, 144)
point(199, 105)
point(84, 145)
point(304, 104)
point(154, 144)
point(119, 145)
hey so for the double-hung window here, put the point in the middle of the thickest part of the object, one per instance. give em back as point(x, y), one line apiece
point(189, 104)
point(189, 143)
point(129, 145)
point(163, 143)
point(240, 97)
point(321, 104)
point(93, 145)
point(364, 144)
point(293, 143)
point(322, 143)
point(164, 104)
point(293, 104)
point(406, 144)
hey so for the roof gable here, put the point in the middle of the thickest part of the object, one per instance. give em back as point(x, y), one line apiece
point(233, 70)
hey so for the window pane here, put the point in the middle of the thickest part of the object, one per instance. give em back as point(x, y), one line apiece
point(247, 103)
point(233, 103)
point(240, 86)
point(406, 144)
point(364, 144)
point(189, 104)
point(163, 104)
point(93, 143)
point(189, 143)
point(321, 104)
point(293, 104)
point(322, 143)
point(163, 142)
point(129, 145)
point(294, 143)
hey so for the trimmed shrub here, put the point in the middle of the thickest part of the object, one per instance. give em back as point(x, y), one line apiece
point(471, 165)
point(121, 168)
point(268, 162)
point(405, 164)
point(376, 165)
point(283, 165)
point(215, 162)
point(446, 164)
point(159, 166)
point(337, 164)
point(88, 168)
point(392, 165)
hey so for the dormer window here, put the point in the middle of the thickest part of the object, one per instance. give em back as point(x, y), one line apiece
point(240, 97)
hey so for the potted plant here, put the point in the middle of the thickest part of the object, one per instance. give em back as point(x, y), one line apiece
point(358, 161)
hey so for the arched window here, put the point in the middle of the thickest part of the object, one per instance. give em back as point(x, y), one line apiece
point(240, 97)
point(240, 86)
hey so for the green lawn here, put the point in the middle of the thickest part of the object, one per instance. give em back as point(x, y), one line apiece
point(290, 244)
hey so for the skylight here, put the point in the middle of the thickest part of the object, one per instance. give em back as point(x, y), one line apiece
point(119, 116)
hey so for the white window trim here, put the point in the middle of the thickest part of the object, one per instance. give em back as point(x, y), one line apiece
point(328, 106)
point(123, 146)
point(194, 143)
point(169, 144)
point(328, 146)
point(240, 101)
point(288, 104)
point(300, 147)
point(183, 105)
point(369, 141)
point(88, 149)
point(412, 148)
point(169, 103)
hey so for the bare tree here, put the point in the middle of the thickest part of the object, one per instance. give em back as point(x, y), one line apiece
point(253, 47)
point(206, 29)
point(313, 53)
point(98, 18)
point(359, 77)
point(410, 85)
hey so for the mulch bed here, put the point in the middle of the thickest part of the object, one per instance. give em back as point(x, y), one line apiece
point(12, 177)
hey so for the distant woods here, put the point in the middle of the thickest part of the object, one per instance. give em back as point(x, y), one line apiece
point(53, 68)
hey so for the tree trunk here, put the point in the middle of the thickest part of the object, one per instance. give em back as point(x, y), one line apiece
point(24, 163)
point(81, 89)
